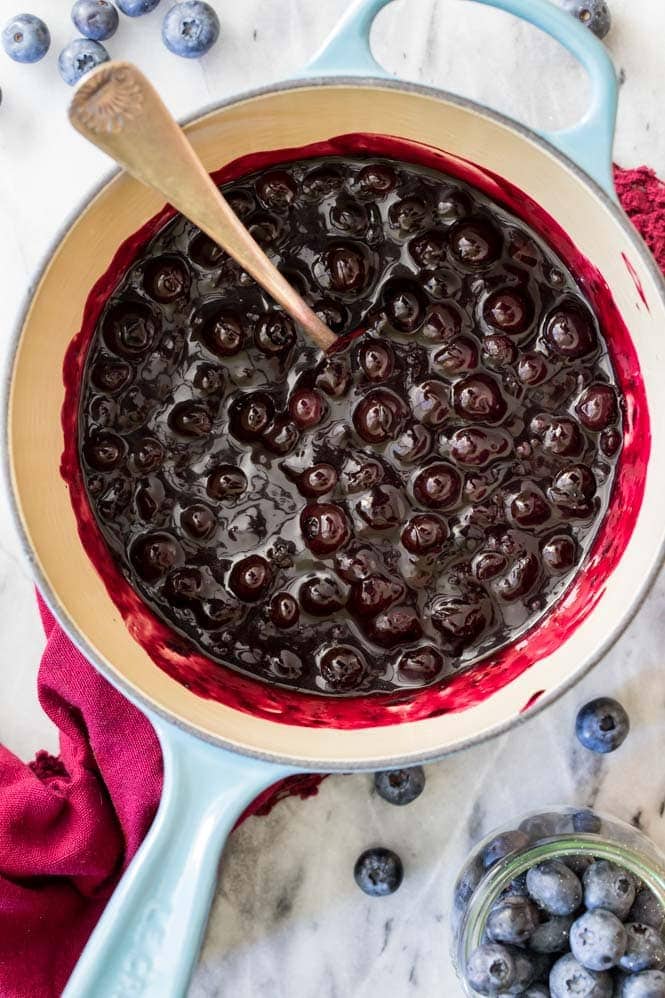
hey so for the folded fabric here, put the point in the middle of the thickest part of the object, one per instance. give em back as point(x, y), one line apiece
point(70, 825)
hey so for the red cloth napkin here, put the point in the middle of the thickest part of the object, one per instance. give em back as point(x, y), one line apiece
point(70, 825)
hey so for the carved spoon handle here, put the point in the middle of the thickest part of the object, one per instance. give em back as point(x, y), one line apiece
point(117, 109)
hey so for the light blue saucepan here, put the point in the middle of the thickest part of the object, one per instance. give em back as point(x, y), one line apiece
point(216, 760)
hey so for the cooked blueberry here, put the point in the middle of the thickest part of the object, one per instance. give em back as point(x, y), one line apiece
point(334, 377)
point(96, 19)
point(190, 28)
point(475, 446)
point(559, 553)
point(488, 564)
point(317, 480)
point(413, 444)
point(479, 399)
point(153, 555)
point(569, 332)
point(280, 435)
point(429, 250)
point(460, 622)
point(424, 533)
point(111, 375)
point(205, 253)
point(551, 936)
point(104, 451)
point(554, 887)
point(610, 442)
point(438, 486)
point(499, 351)
point(408, 215)
point(166, 279)
point(378, 872)
point(275, 333)
point(395, 626)
point(597, 407)
point(602, 725)
point(610, 887)
point(509, 311)
point(226, 482)
point(569, 979)
point(598, 940)
point(379, 416)
point(374, 594)
point(343, 268)
point(79, 57)
point(222, 333)
point(250, 415)
point(321, 596)
point(491, 969)
point(430, 402)
point(421, 666)
point(532, 368)
point(649, 984)
point(325, 527)
point(405, 305)
point(644, 950)
point(400, 786)
point(378, 179)
point(198, 521)
point(442, 324)
point(129, 329)
point(25, 38)
point(377, 360)
point(183, 587)
point(594, 14)
point(276, 189)
point(190, 419)
point(528, 508)
point(250, 578)
point(503, 845)
point(343, 668)
point(382, 508)
point(307, 408)
point(322, 181)
point(475, 243)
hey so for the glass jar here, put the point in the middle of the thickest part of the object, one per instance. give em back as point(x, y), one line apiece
point(557, 833)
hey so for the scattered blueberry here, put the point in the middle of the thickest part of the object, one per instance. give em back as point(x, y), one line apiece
point(650, 984)
point(551, 936)
point(135, 8)
point(502, 845)
point(644, 949)
point(595, 14)
point(400, 786)
point(79, 57)
point(610, 887)
point(647, 910)
point(25, 38)
point(598, 940)
point(491, 969)
point(569, 979)
point(378, 872)
point(95, 19)
point(190, 28)
point(554, 887)
point(586, 822)
point(513, 919)
point(602, 725)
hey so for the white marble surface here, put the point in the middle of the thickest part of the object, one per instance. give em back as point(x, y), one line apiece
point(288, 919)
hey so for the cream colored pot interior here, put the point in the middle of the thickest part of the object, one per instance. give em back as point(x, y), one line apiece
point(291, 118)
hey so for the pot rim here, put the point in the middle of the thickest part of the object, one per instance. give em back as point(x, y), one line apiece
point(116, 678)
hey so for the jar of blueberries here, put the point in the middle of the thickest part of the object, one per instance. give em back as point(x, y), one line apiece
point(564, 904)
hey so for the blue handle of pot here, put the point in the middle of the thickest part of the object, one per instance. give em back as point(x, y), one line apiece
point(347, 52)
point(149, 936)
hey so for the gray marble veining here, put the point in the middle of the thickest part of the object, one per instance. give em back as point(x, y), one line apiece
point(288, 920)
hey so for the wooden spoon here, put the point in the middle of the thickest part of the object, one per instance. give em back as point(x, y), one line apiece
point(116, 108)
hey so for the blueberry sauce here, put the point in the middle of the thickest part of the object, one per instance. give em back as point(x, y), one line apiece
point(374, 520)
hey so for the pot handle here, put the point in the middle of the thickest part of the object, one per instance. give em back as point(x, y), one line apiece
point(148, 938)
point(347, 52)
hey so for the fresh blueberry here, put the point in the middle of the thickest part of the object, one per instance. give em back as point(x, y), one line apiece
point(554, 887)
point(595, 14)
point(569, 979)
point(467, 882)
point(512, 920)
point(190, 28)
point(502, 845)
point(610, 887)
point(491, 969)
point(645, 949)
point(378, 872)
point(647, 910)
point(135, 8)
point(602, 725)
point(527, 966)
point(542, 826)
point(400, 786)
point(25, 38)
point(579, 863)
point(552, 936)
point(586, 822)
point(96, 19)
point(650, 984)
point(598, 940)
point(537, 991)
point(79, 57)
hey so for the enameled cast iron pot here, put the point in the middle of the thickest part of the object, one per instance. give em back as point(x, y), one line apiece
point(219, 756)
